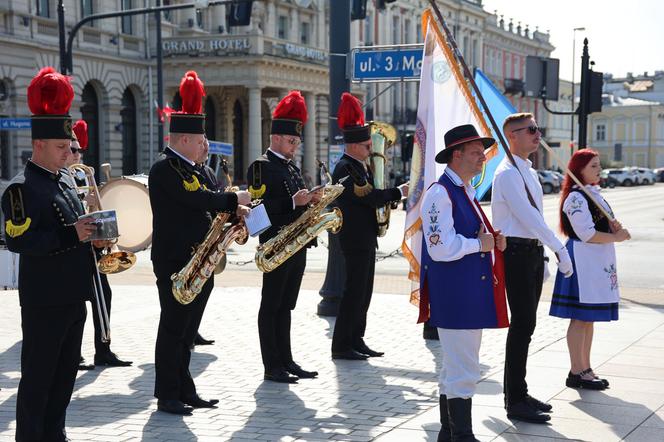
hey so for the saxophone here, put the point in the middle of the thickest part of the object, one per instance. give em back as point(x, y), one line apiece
point(293, 237)
point(189, 281)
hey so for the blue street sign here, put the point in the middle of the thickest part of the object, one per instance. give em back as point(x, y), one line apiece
point(219, 148)
point(15, 123)
point(386, 63)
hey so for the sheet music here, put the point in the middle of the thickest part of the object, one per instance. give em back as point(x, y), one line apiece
point(257, 221)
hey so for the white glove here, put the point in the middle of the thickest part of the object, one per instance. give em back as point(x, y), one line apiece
point(564, 263)
point(547, 272)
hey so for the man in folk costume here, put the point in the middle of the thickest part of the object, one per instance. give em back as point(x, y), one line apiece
point(55, 271)
point(103, 354)
point(274, 178)
point(462, 287)
point(182, 210)
point(359, 232)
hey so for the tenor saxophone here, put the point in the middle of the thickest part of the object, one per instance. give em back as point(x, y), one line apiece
point(189, 281)
point(302, 231)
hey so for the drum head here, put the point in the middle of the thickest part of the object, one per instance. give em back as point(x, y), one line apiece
point(129, 197)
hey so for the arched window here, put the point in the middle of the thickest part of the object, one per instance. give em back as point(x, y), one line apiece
point(129, 136)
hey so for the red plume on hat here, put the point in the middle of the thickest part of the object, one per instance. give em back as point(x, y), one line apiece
point(80, 128)
point(50, 93)
point(192, 92)
point(350, 112)
point(291, 107)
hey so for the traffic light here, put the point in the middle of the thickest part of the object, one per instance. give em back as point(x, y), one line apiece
point(407, 139)
point(240, 14)
point(358, 10)
point(596, 80)
point(381, 4)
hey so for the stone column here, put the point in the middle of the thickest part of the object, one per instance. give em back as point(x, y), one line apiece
point(310, 148)
point(218, 19)
point(255, 148)
point(270, 21)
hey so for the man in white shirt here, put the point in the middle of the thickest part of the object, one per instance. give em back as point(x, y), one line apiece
point(517, 211)
point(462, 288)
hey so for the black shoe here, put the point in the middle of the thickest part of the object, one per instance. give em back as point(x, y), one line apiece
point(200, 340)
point(367, 351)
point(460, 418)
point(197, 402)
point(110, 359)
point(445, 434)
point(350, 355)
point(174, 406)
point(576, 381)
point(280, 375)
point(522, 411)
point(84, 366)
point(430, 333)
point(298, 371)
point(604, 381)
point(538, 405)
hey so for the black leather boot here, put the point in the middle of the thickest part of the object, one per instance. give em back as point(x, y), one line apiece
point(444, 435)
point(461, 422)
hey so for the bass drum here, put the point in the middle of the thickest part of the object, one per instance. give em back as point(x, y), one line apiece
point(129, 197)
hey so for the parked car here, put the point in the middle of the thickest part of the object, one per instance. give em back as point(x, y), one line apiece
point(549, 182)
point(605, 180)
point(659, 173)
point(623, 177)
point(646, 176)
point(559, 176)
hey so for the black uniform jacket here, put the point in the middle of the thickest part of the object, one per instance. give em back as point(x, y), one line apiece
point(275, 180)
point(55, 267)
point(360, 227)
point(181, 207)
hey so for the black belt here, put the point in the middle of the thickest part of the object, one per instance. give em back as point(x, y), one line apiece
point(527, 242)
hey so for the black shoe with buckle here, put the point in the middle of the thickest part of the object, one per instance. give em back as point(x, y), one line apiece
point(298, 371)
point(523, 411)
point(538, 405)
point(577, 381)
point(604, 381)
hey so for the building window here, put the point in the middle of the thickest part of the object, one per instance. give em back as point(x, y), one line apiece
point(368, 30)
point(304, 33)
point(600, 132)
point(406, 31)
point(396, 31)
point(127, 19)
point(199, 18)
point(43, 8)
point(166, 14)
point(282, 27)
point(86, 8)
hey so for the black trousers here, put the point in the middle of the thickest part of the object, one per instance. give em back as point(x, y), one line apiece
point(178, 325)
point(524, 273)
point(49, 361)
point(101, 347)
point(281, 287)
point(351, 320)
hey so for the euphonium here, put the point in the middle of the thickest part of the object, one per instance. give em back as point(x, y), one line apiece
point(383, 136)
point(302, 231)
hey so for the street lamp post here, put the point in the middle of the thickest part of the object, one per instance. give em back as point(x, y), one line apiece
point(571, 144)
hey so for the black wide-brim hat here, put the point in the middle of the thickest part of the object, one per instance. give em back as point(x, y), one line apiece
point(458, 136)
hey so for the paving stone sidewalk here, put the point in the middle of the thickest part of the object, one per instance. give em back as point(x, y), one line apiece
point(389, 398)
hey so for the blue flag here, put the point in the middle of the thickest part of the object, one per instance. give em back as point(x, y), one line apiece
point(500, 108)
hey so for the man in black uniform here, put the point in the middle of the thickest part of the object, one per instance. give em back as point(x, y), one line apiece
point(55, 271)
point(277, 180)
point(181, 210)
point(103, 354)
point(359, 231)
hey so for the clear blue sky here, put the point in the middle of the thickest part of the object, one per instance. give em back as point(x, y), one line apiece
point(624, 36)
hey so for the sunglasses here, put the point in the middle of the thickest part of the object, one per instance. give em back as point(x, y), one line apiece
point(75, 150)
point(532, 130)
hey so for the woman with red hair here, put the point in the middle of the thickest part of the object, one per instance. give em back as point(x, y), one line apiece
point(591, 294)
